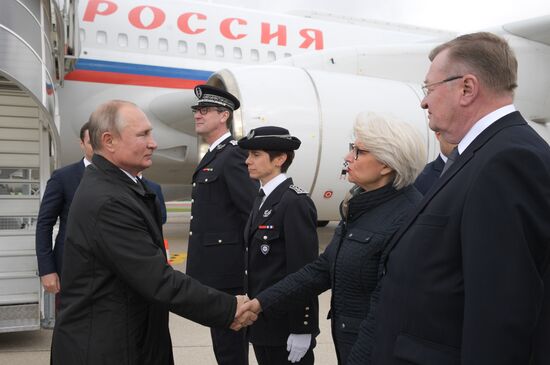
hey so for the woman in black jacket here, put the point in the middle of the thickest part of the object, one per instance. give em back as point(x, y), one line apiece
point(382, 163)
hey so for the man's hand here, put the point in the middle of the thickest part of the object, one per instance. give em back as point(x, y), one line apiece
point(297, 346)
point(50, 282)
point(247, 312)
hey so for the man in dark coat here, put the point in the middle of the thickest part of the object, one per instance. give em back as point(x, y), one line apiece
point(281, 238)
point(222, 197)
point(467, 280)
point(433, 170)
point(118, 288)
point(55, 203)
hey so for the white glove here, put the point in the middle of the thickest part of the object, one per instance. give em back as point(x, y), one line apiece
point(297, 346)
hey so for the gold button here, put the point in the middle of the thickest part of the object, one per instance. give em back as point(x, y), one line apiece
point(219, 241)
point(307, 308)
point(307, 315)
point(265, 237)
point(190, 233)
point(205, 180)
point(191, 217)
point(246, 272)
point(194, 184)
point(192, 201)
point(305, 322)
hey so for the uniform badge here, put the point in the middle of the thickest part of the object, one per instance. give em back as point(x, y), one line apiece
point(220, 146)
point(208, 169)
point(267, 212)
point(264, 248)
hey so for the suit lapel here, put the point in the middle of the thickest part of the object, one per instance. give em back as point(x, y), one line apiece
point(509, 120)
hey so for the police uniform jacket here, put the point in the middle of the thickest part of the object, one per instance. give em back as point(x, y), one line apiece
point(468, 276)
point(55, 203)
point(349, 265)
point(222, 197)
point(117, 286)
point(281, 240)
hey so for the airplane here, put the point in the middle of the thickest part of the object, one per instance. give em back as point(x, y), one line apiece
point(154, 54)
point(311, 74)
point(308, 74)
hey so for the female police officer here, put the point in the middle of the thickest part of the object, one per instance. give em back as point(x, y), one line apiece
point(280, 238)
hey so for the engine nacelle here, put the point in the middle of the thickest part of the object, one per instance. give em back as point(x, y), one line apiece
point(319, 108)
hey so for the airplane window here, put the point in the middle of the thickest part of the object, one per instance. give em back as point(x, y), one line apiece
point(219, 51)
point(237, 53)
point(122, 40)
point(254, 55)
point(101, 37)
point(82, 35)
point(163, 44)
point(201, 49)
point(143, 42)
point(271, 56)
point(182, 47)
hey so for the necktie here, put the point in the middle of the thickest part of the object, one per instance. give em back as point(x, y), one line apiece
point(256, 206)
point(450, 160)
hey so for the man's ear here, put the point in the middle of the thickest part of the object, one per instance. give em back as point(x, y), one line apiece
point(470, 89)
point(108, 141)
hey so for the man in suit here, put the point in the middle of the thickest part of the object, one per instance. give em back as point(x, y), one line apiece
point(467, 278)
point(117, 284)
point(432, 170)
point(222, 197)
point(56, 202)
point(281, 238)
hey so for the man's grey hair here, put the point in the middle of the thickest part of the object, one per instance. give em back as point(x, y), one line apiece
point(394, 143)
point(106, 118)
point(486, 55)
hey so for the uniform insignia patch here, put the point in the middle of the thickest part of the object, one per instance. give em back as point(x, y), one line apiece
point(265, 227)
point(220, 146)
point(297, 189)
point(267, 213)
point(233, 142)
point(208, 169)
point(264, 248)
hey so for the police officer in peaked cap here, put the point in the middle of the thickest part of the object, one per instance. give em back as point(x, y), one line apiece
point(222, 196)
point(281, 238)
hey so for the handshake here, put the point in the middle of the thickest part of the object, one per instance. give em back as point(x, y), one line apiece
point(247, 312)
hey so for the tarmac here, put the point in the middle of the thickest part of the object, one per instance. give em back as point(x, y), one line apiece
point(191, 342)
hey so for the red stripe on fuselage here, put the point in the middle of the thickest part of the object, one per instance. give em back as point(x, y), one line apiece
point(129, 79)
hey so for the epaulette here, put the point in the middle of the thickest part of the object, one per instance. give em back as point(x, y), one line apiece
point(233, 142)
point(297, 189)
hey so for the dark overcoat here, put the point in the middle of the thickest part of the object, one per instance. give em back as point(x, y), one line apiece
point(467, 278)
point(117, 286)
point(281, 240)
point(222, 197)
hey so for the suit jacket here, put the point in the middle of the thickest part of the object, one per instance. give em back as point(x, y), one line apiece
point(467, 279)
point(117, 285)
point(429, 175)
point(222, 197)
point(160, 197)
point(281, 240)
point(56, 202)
